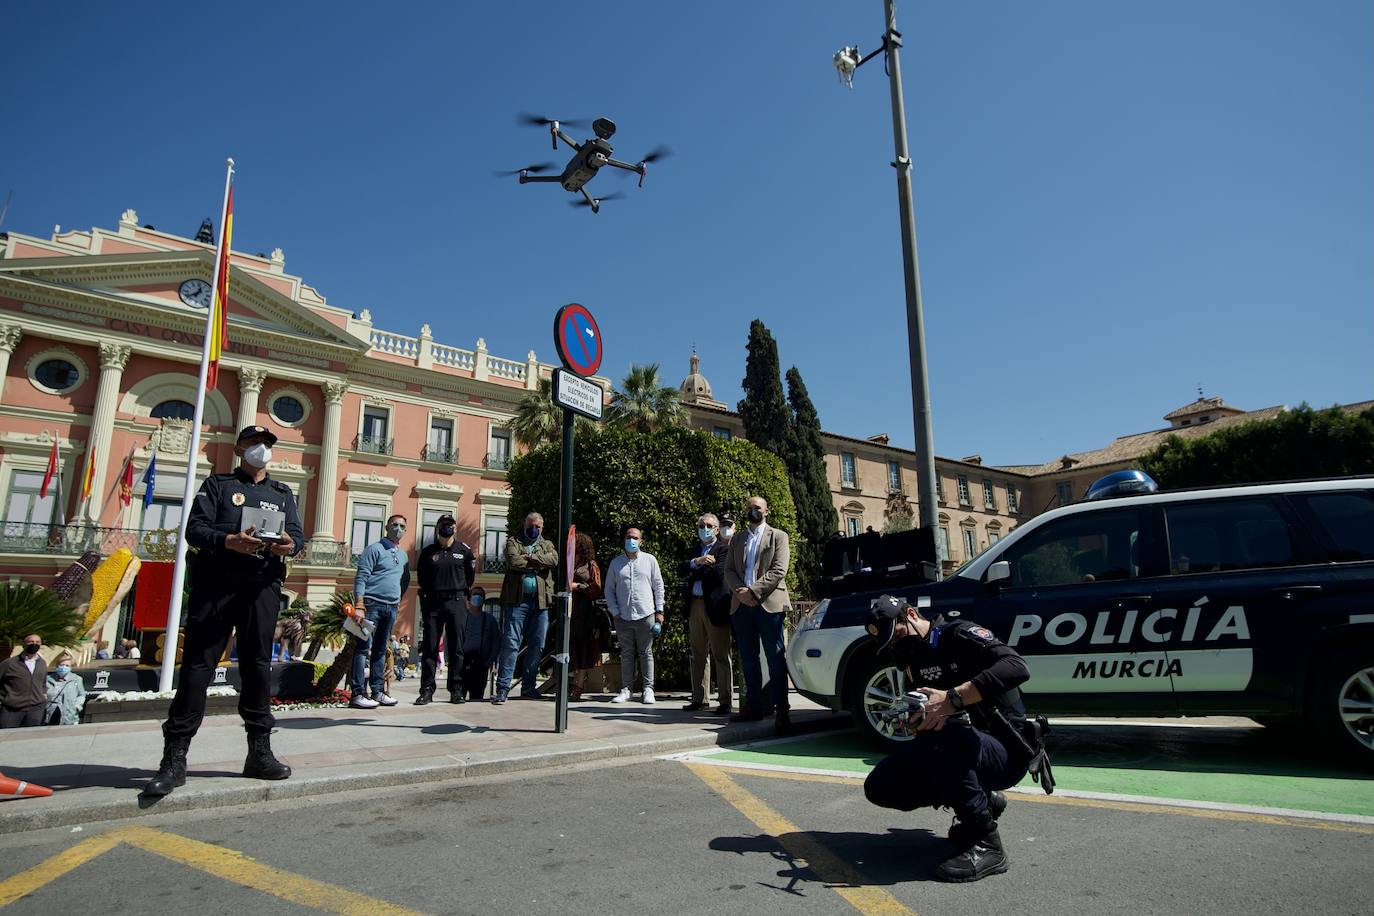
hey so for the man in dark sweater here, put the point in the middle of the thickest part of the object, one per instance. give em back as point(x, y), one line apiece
point(24, 686)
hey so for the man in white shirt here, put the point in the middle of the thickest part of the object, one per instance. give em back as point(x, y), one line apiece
point(634, 594)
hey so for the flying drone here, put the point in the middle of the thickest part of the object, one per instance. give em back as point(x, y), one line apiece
point(588, 158)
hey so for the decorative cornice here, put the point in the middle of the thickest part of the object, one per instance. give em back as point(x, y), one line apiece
point(490, 497)
point(371, 482)
point(438, 488)
point(38, 443)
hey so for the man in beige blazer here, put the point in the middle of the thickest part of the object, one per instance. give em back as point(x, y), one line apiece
point(755, 573)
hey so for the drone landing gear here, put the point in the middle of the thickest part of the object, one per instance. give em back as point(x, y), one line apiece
point(591, 201)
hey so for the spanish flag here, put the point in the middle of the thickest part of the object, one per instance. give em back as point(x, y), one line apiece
point(88, 479)
point(219, 324)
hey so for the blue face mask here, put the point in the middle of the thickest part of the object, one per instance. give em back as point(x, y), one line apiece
point(631, 545)
point(532, 534)
point(64, 670)
point(706, 533)
point(476, 600)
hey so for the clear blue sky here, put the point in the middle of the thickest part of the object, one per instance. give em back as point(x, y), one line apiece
point(1115, 202)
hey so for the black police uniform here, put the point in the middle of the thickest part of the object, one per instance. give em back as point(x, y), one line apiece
point(958, 765)
point(231, 592)
point(446, 575)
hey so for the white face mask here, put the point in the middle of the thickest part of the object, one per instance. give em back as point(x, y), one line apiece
point(257, 455)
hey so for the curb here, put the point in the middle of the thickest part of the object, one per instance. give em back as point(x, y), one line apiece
point(20, 817)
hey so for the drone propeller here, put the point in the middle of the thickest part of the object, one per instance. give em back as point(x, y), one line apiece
point(529, 120)
point(655, 154)
point(582, 201)
point(532, 169)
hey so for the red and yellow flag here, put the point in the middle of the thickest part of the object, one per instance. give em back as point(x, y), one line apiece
point(126, 482)
point(219, 325)
point(88, 479)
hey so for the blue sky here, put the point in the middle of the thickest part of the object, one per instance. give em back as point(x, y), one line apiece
point(1116, 203)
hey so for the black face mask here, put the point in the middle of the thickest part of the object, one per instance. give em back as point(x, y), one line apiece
point(754, 515)
point(446, 531)
point(31, 648)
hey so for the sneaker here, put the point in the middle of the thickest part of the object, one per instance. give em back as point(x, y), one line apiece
point(531, 695)
point(500, 697)
point(648, 695)
point(623, 696)
point(385, 699)
point(984, 857)
point(362, 701)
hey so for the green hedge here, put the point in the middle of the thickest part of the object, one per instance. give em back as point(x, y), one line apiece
point(660, 481)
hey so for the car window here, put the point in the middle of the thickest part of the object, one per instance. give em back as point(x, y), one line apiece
point(1087, 547)
point(1345, 524)
point(1223, 534)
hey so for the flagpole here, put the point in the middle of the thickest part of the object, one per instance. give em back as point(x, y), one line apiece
point(169, 645)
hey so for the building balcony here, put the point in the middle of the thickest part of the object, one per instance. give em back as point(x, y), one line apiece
point(496, 461)
point(73, 540)
point(493, 563)
point(440, 454)
point(373, 445)
point(322, 552)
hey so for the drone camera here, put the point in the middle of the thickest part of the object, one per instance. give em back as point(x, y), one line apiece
point(603, 128)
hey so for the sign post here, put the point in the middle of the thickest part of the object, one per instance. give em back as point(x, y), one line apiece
point(577, 338)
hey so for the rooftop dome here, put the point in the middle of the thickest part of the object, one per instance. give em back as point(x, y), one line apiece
point(695, 387)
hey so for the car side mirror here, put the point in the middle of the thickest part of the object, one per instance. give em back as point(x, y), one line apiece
point(999, 574)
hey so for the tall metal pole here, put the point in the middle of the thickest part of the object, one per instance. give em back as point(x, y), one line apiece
point(565, 490)
point(915, 322)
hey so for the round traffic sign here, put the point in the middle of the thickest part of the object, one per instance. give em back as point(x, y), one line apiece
point(577, 338)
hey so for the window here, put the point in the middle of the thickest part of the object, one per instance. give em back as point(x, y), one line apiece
point(939, 488)
point(440, 447)
point(374, 435)
point(174, 410)
point(1011, 499)
point(287, 410)
point(57, 375)
point(429, 518)
point(498, 449)
point(1187, 423)
point(847, 469)
point(1222, 534)
point(1344, 523)
point(366, 526)
point(1089, 547)
point(970, 543)
point(851, 525)
point(493, 543)
point(722, 432)
point(1064, 491)
point(993, 537)
point(989, 497)
point(942, 542)
point(894, 477)
point(963, 491)
point(163, 512)
point(27, 514)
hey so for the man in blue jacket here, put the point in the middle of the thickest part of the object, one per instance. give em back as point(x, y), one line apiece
point(383, 577)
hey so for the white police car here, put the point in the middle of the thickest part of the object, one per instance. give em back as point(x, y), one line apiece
point(1245, 600)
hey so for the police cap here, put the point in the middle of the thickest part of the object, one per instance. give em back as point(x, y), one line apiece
point(249, 432)
point(883, 615)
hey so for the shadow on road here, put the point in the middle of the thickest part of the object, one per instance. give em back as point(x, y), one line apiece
point(895, 857)
point(310, 723)
point(61, 777)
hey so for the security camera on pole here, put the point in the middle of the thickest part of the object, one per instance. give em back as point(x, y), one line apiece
point(577, 338)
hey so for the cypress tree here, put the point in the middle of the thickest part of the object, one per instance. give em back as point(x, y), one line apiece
point(804, 456)
point(763, 410)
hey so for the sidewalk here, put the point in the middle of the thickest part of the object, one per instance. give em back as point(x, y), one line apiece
point(95, 771)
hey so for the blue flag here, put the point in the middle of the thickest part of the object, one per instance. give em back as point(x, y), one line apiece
point(150, 481)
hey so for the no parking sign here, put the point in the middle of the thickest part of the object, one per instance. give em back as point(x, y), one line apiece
point(577, 338)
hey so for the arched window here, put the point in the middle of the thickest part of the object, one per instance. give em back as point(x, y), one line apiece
point(174, 410)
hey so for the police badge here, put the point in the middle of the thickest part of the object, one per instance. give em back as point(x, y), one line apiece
point(237, 499)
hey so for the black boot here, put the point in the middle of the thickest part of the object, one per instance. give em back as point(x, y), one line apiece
point(984, 856)
point(782, 721)
point(426, 696)
point(964, 833)
point(261, 763)
point(171, 772)
point(456, 696)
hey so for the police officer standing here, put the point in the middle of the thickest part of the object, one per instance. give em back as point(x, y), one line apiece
point(446, 570)
point(235, 588)
point(962, 750)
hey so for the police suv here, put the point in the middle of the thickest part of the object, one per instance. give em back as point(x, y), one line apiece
point(1245, 600)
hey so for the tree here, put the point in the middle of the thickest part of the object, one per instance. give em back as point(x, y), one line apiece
point(1297, 443)
point(537, 418)
point(327, 627)
point(763, 410)
point(27, 608)
point(804, 454)
point(643, 403)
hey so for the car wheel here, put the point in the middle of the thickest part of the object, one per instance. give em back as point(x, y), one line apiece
point(875, 688)
point(1344, 710)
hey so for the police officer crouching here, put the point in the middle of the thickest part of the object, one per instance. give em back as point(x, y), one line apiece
point(962, 750)
point(235, 588)
point(446, 569)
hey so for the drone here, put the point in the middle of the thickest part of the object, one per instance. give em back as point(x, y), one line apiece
point(588, 159)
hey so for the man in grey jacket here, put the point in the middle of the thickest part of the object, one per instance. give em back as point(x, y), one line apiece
point(634, 594)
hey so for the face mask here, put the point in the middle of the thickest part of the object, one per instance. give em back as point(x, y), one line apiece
point(64, 670)
point(728, 531)
point(706, 533)
point(257, 456)
point(532, 534)
point(477, 600)
point(446, 531)
point(31, 648)
point(394, 532)
point(631, 545)
point(755, 515)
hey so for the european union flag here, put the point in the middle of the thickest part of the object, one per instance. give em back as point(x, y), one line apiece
point(150, 481)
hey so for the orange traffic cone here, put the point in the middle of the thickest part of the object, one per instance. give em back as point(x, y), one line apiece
point(17, 788)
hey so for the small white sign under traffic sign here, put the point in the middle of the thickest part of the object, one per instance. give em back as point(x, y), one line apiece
point(577, 394)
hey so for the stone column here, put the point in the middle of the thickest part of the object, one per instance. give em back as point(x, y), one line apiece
point(250, 386)
point(328, 483)
point(9, 342)
point(113, 359)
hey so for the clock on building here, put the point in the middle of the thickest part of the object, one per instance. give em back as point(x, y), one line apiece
point(195, 292)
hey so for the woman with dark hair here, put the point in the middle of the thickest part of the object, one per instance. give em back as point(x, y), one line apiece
point(587, 632)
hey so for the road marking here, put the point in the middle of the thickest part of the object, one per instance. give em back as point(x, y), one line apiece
point(834, 872)
point(226, 864)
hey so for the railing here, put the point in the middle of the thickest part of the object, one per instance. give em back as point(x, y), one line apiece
point(322, 552)
point(74, 540)
point(453, 357)
point(506, 368)
point(395, 344)
point(372, 445)
point(497, 461)
point(441, 454)
point(492, 563)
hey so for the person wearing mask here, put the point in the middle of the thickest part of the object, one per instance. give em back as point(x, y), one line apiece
point(382, 579)
point(634, 594)
point(526, 593)
point(756, 573)
point(446, 569)
point(23, 686)
point(235, 589)
point(481, 645)
point(708, 617)
point(585, 635)
point(66, 693)
point(727, 528)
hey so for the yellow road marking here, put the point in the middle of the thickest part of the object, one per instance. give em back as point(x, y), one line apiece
point(1138, 807)
point(833, 871)
point(227, 864)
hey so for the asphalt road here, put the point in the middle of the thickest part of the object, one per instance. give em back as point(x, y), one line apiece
point(662, 836)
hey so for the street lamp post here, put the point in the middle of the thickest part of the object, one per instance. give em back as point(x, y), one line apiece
point(847, 60)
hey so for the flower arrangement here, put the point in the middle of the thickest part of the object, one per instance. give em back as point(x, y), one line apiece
point(114, 696)
point(334, 700)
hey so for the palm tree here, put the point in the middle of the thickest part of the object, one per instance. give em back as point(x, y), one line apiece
point(643, 403)
point(26, 608)
point(327, 628)
point(537, 418)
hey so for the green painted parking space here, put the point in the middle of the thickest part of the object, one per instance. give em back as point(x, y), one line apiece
point(1225, 766)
